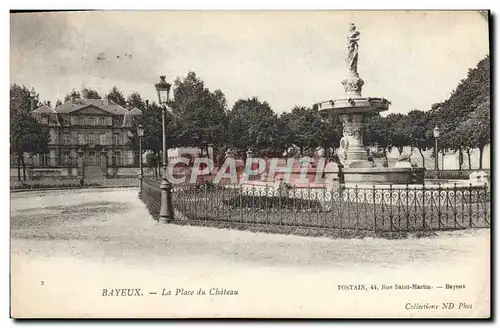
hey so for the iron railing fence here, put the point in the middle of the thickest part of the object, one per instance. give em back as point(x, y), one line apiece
point(92, 159)
point(150, 194)
point(390, 209)
point(373, 209)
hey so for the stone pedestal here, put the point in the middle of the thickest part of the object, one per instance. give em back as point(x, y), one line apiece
point(353, 85)
point(355, 152)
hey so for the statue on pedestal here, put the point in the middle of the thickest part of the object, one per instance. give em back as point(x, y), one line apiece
point(352, 49)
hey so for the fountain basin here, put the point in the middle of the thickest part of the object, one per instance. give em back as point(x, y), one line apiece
point(356, 105)
point(384, 175)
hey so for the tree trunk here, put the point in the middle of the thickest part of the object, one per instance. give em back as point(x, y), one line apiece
point(386, 160)
point(301, 151)
point(24, 168)
point(423, 158)
point(460, 159)
point(481, 149)
point(18, 167)
point(400, 150)
point(468, 157)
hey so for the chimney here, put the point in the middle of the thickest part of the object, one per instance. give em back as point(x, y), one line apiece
point(48, 104)
point(72, 99)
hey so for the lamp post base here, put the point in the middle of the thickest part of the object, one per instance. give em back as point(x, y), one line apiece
point(166, 208)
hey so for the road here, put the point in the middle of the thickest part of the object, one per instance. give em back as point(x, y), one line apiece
point(67, 247)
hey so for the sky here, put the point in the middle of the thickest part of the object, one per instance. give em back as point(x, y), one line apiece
point(287, 58)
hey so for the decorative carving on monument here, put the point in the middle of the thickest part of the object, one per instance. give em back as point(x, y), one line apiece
point(353, 126)
point(353, 85)
point(342, 151)
point(353, 130)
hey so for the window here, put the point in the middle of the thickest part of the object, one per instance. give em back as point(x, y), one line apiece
point(93, 159)
point(117, 159)
point(44, 159)
point(116, 138)
point(66, 159)
point(81, 139)
point(102, 139)
point(92, 120)
point(45, 120)
point(81, 120)
point(66, 139)
point(102, 121)
point(91, 139)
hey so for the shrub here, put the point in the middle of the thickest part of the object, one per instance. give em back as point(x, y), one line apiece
point(208, 185)
point(268, 202)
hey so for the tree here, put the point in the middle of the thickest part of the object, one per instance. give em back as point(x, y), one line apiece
point(470, 92)
point(90, 94)
point(253, 124)
point(27, 135)
point(58, 102)
point(151, 120)
point(116, 96)
point(307, 129)
point(72, 95)
point(199, 114)
point(418, 132)
point(378, 133)
point(135, 101)
point(476, 130)
point(302, 127)
point(397, 125)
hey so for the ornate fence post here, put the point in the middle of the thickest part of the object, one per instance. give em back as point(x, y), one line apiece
point(424, 227)
point(486, 200)
point(391, 215)
point(439, 206)
point(470, 205)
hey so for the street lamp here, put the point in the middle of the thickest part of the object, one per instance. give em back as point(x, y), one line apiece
point(166, 208)
point(140, 134)
point(436, 131)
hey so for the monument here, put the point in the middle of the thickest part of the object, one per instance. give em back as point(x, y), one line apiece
point(352, 110)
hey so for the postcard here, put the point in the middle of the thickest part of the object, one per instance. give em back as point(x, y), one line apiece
point(250, 164)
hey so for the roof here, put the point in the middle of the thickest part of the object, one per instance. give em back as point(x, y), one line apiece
point(104, 104)
point(135, 111)
point(44, 109)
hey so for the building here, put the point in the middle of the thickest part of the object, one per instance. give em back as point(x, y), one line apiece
point(88, 137)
